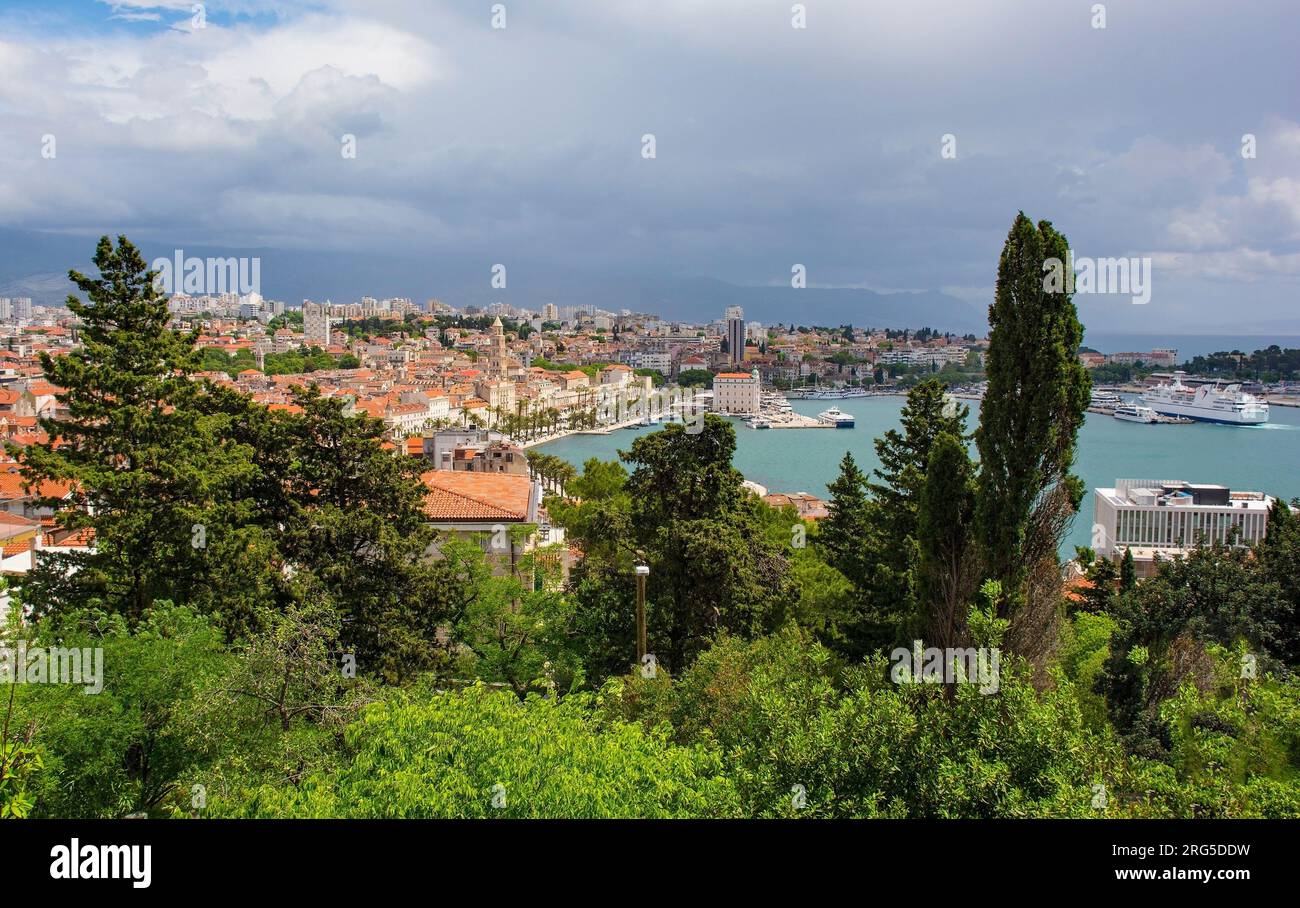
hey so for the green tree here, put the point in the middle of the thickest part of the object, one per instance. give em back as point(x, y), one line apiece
point(712, 566)
point(1127, 572)
point(947, 571)
point(124, 749)
point(144, 467)
point(482, 754)
point(1036, 398)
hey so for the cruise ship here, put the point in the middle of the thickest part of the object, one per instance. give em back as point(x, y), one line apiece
point(836, 417)
point(1209, 403)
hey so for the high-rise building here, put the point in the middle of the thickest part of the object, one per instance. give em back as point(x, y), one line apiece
point(22, 307)
point(735, 334)
point(316, 324)
point(6, 308)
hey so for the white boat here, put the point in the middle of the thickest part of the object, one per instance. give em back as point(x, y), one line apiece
point(1134, 413)
point(759, 422)
point(1209, 402)
point(837, 418)
point(1106, 399)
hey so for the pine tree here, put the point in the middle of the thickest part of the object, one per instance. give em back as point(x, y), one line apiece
point(946, 573)
point(928, 414)
point(144, 465)
point(843, 532)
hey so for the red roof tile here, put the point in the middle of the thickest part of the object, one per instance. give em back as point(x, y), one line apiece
point(465, 495)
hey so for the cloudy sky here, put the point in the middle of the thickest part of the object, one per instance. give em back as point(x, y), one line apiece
point(774, 145)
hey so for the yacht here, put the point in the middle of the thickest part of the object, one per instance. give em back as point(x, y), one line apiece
point(837, 418)
point(1135, 413)
point(1107, 399)
point(1209, 402)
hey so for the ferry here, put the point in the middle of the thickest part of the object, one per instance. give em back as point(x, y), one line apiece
point(1208, 403)
point(837, 418)
point(759, 422)
point(1108, 399)
point(1134, 413)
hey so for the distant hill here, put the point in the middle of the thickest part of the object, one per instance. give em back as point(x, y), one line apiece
point(35, 264)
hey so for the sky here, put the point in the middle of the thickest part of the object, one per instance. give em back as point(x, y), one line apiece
point(822, 146)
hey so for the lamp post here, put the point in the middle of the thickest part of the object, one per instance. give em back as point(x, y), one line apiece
point(642, 572)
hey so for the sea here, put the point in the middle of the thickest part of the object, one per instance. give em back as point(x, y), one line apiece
point(1263, 458)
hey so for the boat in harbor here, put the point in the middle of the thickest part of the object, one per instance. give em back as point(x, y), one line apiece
point(1135, 413)
point(1106, 399)
point(836, 417)
point(759, 422)
point(1211, 402)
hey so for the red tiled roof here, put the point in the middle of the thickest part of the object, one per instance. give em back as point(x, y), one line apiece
point(82, 537)
point(15, 548)
point(11, 487)
point(465, 495)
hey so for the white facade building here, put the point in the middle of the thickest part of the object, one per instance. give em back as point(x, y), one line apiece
point(1161, 518)
point(737, 392)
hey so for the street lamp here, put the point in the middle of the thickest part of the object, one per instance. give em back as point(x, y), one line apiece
point(642, 572)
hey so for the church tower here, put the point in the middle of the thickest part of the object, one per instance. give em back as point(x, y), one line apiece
point(497, 356)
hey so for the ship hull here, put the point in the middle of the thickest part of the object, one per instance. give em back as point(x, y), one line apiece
point(1228, 419)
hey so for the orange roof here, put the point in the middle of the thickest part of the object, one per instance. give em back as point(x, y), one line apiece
point(465, 495)
point(11, 487)
point(82, 537)
point(734, 375)
point(18, 520)
point(15, 548)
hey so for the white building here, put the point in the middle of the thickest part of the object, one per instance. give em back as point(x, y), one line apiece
point(662, 362)
point(1161, 518)
point(737, 392)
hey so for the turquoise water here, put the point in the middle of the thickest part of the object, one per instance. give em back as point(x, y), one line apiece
point(1260, 458)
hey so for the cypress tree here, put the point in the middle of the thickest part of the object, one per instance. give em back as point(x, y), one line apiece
point(1036, 398)
point(1127, 572)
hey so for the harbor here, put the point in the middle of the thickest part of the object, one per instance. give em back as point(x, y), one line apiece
point(1258, 457)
